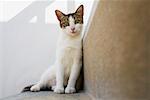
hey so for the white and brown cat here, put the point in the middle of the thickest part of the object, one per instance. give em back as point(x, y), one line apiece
point(68, 63)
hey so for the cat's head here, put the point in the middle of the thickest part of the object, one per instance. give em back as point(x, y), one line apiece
point(71, 23)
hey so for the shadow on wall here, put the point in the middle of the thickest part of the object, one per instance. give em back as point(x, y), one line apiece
point(28, 48)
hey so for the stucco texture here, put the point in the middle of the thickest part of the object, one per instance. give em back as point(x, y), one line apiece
point(116, 54)
point(47, 95)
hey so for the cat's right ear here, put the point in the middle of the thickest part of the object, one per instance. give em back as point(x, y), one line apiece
point(59, 14)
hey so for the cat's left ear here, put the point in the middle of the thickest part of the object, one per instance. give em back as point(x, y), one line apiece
point(59, 14)
point(80, 10)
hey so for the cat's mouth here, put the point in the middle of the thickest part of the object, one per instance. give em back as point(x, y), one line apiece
point(73, 32)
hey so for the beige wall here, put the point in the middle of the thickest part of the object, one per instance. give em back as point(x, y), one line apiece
point(116, 51)
point(148, 38)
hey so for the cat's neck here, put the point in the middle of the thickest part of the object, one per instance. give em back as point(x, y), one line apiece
point(65, 36)
point(68, 41)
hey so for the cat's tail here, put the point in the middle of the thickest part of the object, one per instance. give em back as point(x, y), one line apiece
point(27, 88)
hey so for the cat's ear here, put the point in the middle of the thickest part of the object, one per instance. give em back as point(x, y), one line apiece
point(80, 10)
point(59, 14)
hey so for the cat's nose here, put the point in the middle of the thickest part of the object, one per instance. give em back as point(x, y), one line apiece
point(72, 28)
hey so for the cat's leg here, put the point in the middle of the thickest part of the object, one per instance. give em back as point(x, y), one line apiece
point(37, 87)
point(46, 80)
point(53, 87)
point(75, 71)
point(59, 78)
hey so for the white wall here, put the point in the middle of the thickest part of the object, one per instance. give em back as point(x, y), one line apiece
point(1, 62)
point(27, 49)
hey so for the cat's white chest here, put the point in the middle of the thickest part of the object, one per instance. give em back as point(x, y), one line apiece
point(67, 59)
point(68, 55)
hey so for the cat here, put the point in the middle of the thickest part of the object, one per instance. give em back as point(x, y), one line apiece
point(68, 64)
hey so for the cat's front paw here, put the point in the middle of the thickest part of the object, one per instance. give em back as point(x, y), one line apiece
point(35, 88)
point(59, 90)
point(53, 88)
point(70, 90)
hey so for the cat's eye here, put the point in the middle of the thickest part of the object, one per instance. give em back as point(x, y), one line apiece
point(77, 21)
point(65, 24)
